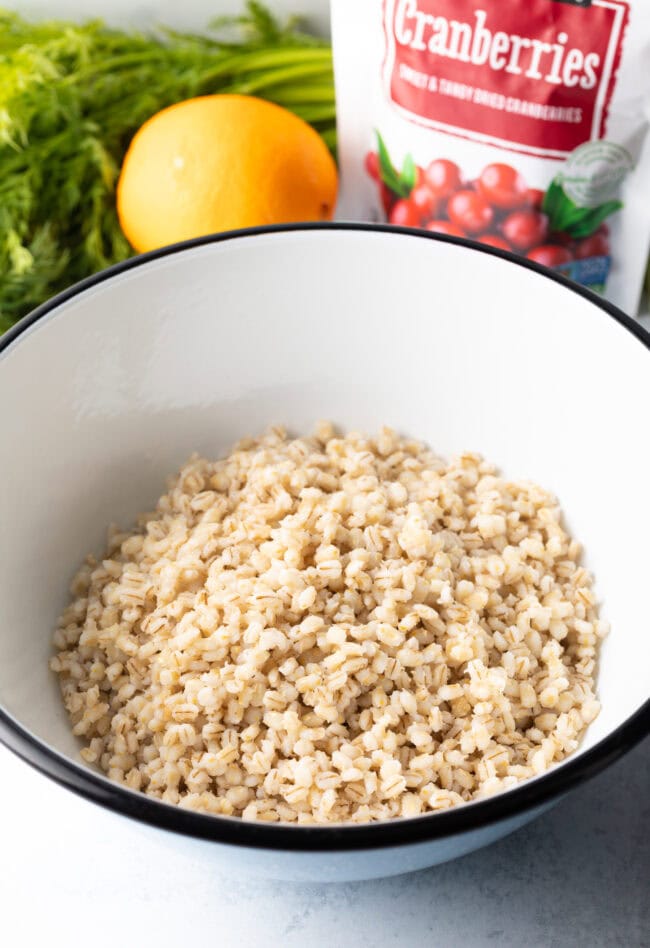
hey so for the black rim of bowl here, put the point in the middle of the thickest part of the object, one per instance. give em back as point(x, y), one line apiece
point(530, 795)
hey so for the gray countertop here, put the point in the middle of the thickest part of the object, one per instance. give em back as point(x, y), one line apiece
point(579, 876)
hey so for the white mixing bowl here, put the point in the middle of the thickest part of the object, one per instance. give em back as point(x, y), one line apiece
point(109, 387)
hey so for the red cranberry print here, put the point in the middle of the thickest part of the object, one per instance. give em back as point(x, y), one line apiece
point(550, 255)
point(443, 177)
point(525, 229)
point(470, 212)
point(502, 186)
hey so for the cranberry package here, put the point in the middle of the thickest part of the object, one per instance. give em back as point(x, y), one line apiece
point(520, 124)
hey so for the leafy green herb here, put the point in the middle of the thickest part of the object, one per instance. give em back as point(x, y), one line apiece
point(400, 183)
point(71, 98)
point(552, 199)
point(409, 173)
point(567, 217)
point(590, 222)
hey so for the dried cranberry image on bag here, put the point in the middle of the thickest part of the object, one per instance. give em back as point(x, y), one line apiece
point(519, 126)
point(497, 208)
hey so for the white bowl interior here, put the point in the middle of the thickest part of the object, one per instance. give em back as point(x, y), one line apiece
point(109, 394)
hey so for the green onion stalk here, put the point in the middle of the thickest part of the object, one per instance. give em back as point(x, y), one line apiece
point(71, 98)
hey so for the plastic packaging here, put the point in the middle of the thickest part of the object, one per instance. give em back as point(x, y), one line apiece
point(523, 125)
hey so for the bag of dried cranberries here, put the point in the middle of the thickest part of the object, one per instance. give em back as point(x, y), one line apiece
point(520, 124)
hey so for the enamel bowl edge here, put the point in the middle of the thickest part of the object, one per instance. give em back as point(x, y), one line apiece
point(115, 382)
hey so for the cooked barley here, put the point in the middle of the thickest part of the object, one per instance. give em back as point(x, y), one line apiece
point(332, 629)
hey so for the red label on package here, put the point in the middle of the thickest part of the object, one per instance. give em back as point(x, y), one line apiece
point(540, 83)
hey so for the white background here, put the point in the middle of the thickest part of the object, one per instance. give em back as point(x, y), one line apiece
point(184, 13)
point(580, 876)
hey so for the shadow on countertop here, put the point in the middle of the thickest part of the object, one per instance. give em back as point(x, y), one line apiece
point(578, 876)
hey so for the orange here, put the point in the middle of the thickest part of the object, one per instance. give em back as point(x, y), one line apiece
point(220, 162)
